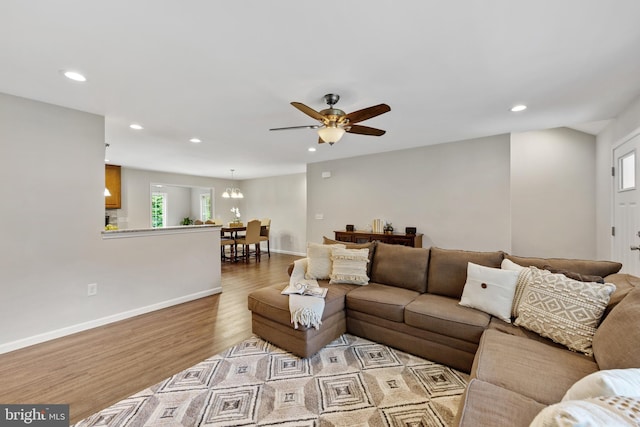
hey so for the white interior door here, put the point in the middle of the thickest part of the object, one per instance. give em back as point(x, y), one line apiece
point(626, 239)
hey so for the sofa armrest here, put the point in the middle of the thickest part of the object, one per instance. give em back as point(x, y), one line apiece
point(625, 283)
point(290, 268)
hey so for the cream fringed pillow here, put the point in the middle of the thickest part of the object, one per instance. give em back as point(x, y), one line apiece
point(524, 278)
point(562, 309)
point(616, 411)
point(349, 266)
point(319, 263)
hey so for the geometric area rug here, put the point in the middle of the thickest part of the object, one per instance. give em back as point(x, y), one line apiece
point(350, 382)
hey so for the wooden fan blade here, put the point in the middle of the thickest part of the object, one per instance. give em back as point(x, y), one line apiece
point(309, 111)
point(298, 127)
point(365, 130)
point(367, 113)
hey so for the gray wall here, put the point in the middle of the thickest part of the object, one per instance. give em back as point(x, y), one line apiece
point(457, 194)
point(51, 222)
point(284, 200)
point(553, 193)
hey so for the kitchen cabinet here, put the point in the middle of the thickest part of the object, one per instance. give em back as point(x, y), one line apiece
point(112, 183)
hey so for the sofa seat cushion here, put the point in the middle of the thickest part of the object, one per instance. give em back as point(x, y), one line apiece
point(270, 303)
point(380, 300)
point(485, 404)
point(448, 269)
point(588, 267)
point(529, 367)
point(443, 315)
point(400, 266)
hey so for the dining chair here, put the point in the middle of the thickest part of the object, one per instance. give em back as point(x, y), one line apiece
point(252, 237)
point(224, 242)
point(265, 226)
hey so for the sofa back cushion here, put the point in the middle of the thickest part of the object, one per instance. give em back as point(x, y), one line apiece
point(400, 266)
point(616, 343)
point(593, 268)
point(448, 269)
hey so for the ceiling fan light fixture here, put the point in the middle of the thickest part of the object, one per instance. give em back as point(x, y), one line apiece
point(331, 134)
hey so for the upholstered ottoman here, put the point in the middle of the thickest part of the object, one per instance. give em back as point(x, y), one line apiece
point(271, 319)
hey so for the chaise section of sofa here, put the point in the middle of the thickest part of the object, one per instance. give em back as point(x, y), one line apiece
point(271, 319)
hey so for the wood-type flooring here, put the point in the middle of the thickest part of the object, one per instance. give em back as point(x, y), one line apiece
point(94, 369)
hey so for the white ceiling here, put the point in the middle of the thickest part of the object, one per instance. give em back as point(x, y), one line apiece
point(226, 71)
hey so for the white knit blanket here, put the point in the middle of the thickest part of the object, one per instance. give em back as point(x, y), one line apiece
point(305, 310)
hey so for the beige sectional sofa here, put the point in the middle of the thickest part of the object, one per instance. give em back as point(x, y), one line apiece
point(412, 303)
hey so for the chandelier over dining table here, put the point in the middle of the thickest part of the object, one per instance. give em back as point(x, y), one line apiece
point(232, 192)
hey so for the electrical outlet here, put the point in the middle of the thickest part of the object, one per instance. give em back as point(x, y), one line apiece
point(92, 289)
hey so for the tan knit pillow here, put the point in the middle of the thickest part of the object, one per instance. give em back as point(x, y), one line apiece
point(564, 310)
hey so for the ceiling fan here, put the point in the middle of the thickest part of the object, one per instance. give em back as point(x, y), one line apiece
point(335, 122)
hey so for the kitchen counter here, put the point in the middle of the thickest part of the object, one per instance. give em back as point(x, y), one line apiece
point(145, 232)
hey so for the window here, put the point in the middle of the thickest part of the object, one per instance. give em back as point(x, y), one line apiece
point(158, 210)
point(627, 166)
point(205, 207)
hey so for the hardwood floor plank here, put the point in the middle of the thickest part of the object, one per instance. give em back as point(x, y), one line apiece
point(94, 369)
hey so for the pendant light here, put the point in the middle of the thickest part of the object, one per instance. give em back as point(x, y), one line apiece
point(233, 193)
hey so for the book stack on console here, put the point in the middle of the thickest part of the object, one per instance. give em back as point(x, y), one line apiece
point(377, 226)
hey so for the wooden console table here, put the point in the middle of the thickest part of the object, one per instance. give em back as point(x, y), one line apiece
point(414, 240)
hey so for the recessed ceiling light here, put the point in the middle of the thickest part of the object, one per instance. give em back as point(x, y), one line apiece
point(312, 149)
point(75, 76)
point(195, 140)
point(517, 108)
point(135, 126)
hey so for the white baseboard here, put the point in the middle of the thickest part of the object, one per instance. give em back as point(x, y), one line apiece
point(278, 251)
point(58, 333)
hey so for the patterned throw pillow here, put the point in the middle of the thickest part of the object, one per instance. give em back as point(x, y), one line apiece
point(349, 266)
point(564, 310)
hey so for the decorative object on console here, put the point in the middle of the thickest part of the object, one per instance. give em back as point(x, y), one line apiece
point(410, 230)
point(388, 227)
point(377, 226)
point(350, 227)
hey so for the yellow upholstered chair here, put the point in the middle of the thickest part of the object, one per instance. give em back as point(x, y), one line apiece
point(252, 237)
point(265, 226)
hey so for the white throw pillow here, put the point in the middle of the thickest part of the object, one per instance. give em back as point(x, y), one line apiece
point(597, 412)
point(349, 266)
point(490, 290)
point(319, 263)
point(524, 278)
point(612, 382)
